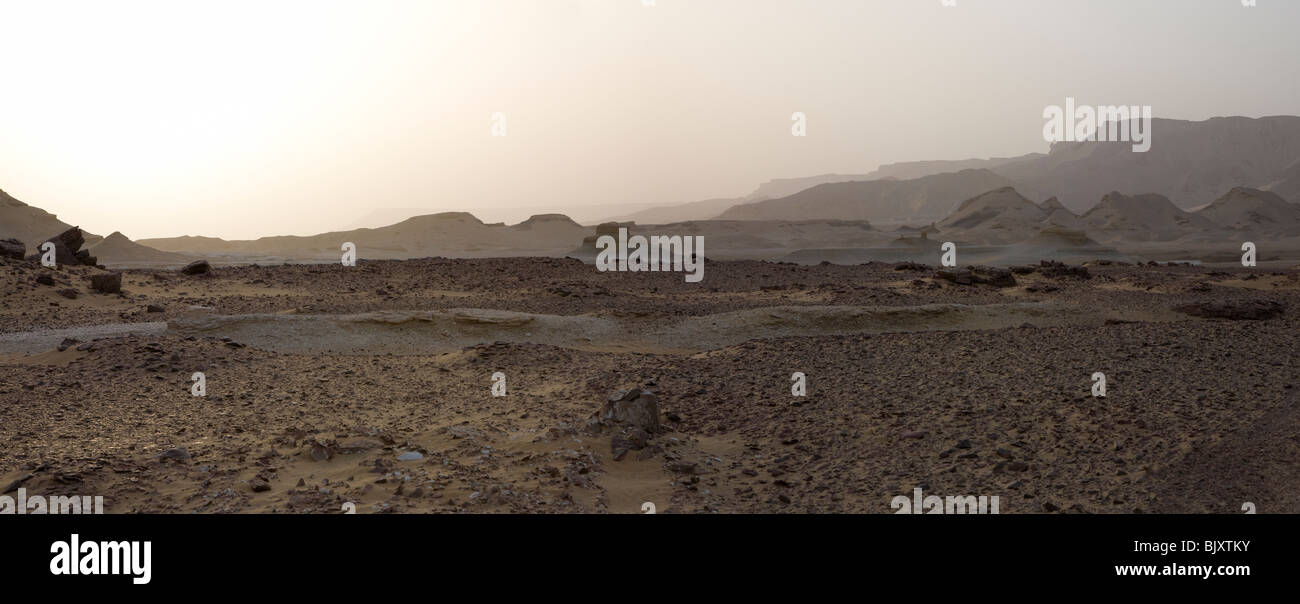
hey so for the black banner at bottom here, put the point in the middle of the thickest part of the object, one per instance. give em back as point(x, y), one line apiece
point(1102, 554)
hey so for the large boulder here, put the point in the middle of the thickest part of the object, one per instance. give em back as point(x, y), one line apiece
point(636, 408)
point(198, 267)
point(67, 248)
point(108, 283)
point(62, 254)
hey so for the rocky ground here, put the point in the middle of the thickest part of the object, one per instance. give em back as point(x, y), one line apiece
point(1201, 412)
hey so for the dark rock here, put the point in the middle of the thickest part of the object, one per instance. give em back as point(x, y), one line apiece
point(680, 467)
point(198, 267)
point(632, 440)
point(636, 407)
point(67, 249)
point(979, 275)
point(154, 308)
point(997, 277)
point(69, 293)
point(45, 279)
point(13, 486)
point(1056, 270)
point(258, 485)
point(68, 343)
point(179, 454)
point(62, 255)
point(12, 248)
point(961, 277)
point(1243, 310)
point(108, 283)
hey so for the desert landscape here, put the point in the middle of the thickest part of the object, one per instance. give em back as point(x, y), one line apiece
point(634, 257)
point(373, 384)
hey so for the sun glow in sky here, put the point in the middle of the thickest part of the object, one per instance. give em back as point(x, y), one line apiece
point(242, 119)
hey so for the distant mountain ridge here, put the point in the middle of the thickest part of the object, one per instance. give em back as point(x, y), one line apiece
point(924, 199)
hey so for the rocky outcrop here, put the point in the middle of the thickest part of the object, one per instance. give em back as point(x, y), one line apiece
point(12, 248)
point(67, 249)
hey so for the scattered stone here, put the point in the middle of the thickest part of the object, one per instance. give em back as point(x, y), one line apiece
point(979, 275)
point(681, 467)
point(1243, 310)
point(1056, 270)
point(356, 445)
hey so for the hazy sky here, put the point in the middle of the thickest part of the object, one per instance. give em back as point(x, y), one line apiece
point(241, 119)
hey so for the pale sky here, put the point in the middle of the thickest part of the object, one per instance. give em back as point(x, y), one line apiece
point(242, 119)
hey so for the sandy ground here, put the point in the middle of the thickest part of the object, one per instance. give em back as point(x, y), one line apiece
point(372, 385)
